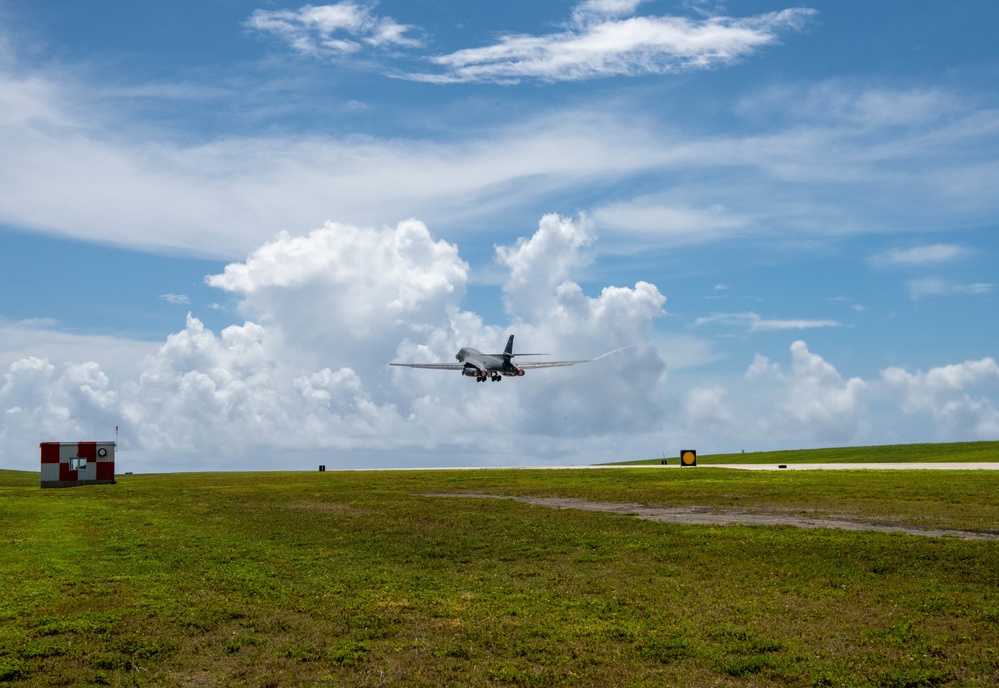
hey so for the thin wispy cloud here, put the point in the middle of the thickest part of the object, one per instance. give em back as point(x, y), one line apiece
point(754, 323)
point(331, 30)
point(602, 38)
point(176, 299)
point(602, 41)
point(676, 223)
point(933, 254)
point(935, 286)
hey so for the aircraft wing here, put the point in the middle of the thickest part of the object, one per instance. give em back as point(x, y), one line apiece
point(432, 366)
point(549, 364)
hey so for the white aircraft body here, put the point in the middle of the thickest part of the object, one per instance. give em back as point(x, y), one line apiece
point(474, 363)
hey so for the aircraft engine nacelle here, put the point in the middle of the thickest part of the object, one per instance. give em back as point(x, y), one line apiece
point(471, 372)
point(520, 372)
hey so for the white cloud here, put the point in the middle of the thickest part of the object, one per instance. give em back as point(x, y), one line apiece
point(602, 38)
point(117, 184)
point(597, 9)
point(761, 366)
point(839, 102)
point(754, 323)
point(229, 393)
point(307, 376)
point(341, 293)
point(559, 317)
point(602, 42)
point(176, 299)
point(948, 395)
point(809, 403)
point(708, 410)
point(681, 351)
point(118, 181)
point(43, 339)
point(818, 395)
point(331, 30)
point(931, 254)
point(646, 217)
point(935, 286)
point(805, 404)
point(306, 381)
point(542, 263)
point(43, 401)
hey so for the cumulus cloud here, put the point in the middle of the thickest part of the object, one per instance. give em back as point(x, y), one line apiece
point(343, 292)
point(305, 381)
point(804, 403)
point(818, 395)
point(555, 314)
point(306, 374)
point(807, 402)
point(204, 393)
point(953, 396)
point(41, 400)
point(331, 30)
point(540, 264)
point(810, 400)
point(601, 40)
point(708, 409)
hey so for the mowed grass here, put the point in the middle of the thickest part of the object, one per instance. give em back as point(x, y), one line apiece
point(901, 453)
point(357, 578)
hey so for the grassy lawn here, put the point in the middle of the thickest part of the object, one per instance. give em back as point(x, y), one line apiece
point(901, 453)
point(356, 578)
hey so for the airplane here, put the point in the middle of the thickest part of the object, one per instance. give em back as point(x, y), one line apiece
point(474, 363)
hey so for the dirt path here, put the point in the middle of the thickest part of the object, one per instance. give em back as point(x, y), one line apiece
point(704, 515)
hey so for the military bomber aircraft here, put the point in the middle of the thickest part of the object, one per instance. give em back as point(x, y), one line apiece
point(495, 367)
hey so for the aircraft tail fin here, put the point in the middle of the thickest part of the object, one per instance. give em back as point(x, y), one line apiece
point(508, 351)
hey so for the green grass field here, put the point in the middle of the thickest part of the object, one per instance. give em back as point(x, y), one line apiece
point(357, 578)
point(901, 453)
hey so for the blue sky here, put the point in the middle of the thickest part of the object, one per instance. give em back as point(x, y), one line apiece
point(220, 220)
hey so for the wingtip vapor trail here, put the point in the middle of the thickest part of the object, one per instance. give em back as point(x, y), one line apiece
point(617, 350)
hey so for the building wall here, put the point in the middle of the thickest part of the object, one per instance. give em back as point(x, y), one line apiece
point(67, 464)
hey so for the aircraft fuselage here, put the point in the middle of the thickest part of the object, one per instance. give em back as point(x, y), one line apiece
point(486, 366)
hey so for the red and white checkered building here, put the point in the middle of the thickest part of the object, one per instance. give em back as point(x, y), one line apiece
point(68, 464)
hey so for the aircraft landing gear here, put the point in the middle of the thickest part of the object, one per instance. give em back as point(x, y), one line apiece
point(495, 377)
